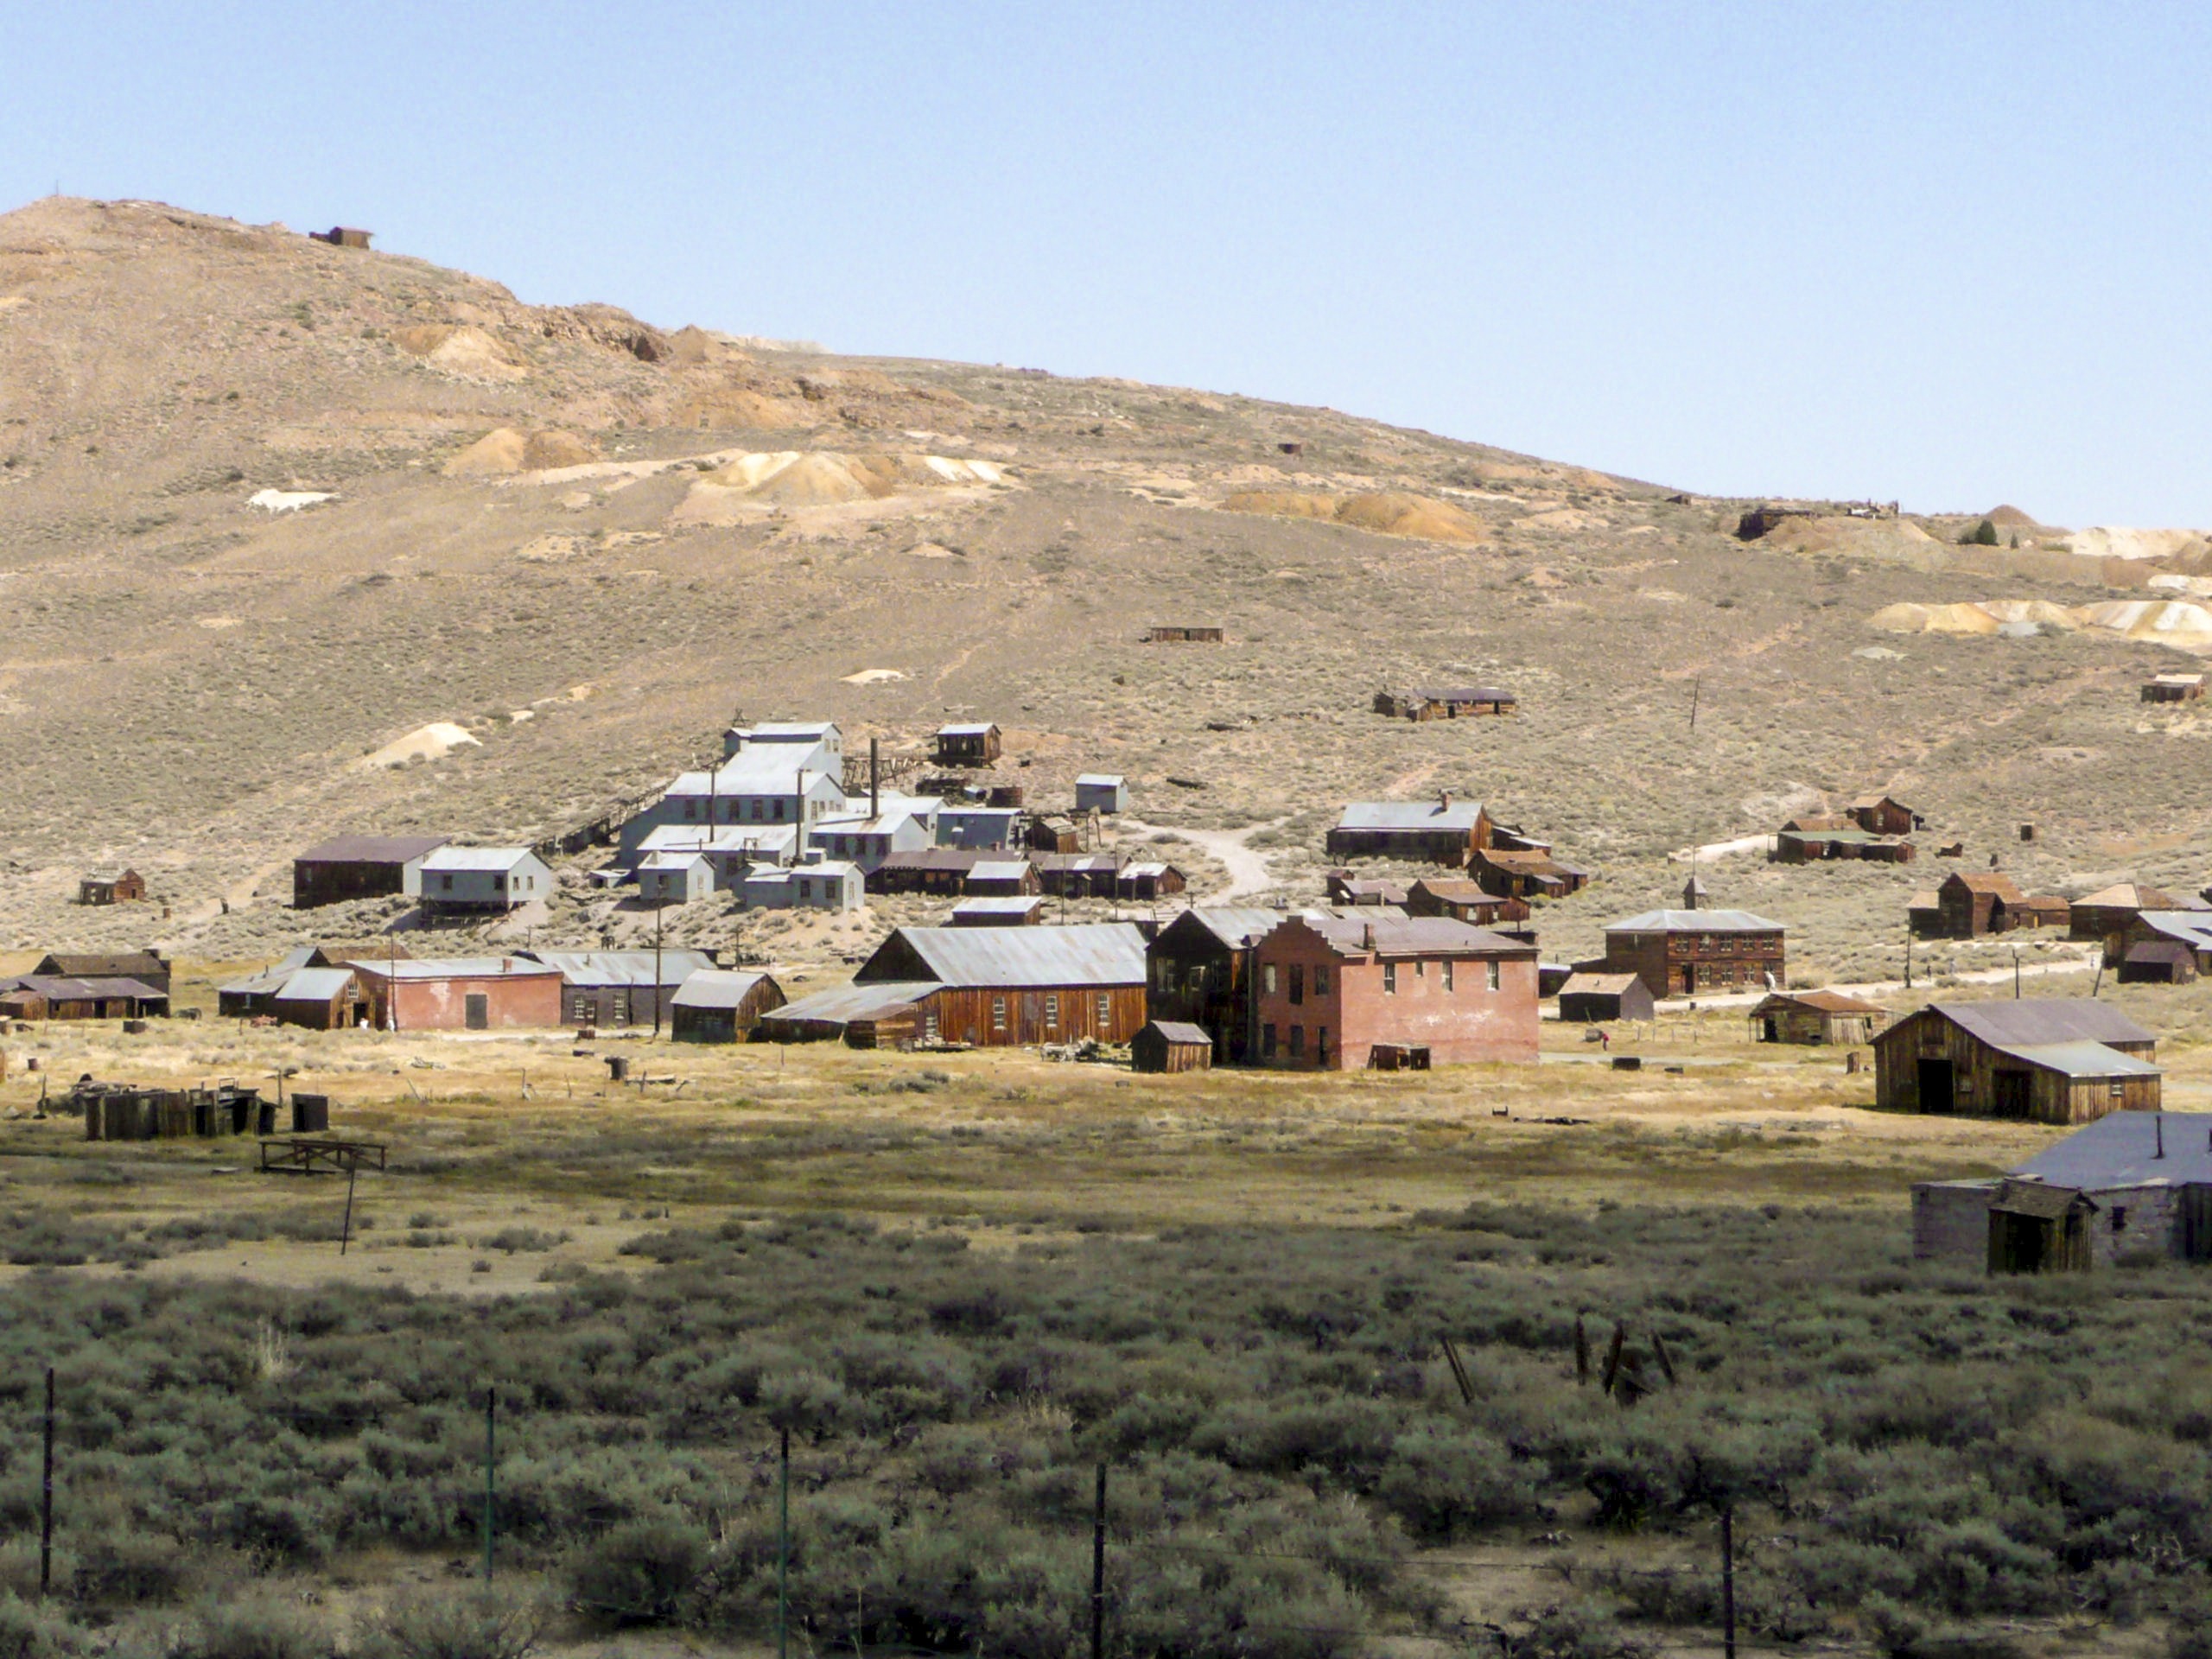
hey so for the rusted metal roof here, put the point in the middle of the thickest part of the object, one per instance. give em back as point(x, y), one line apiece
point(2002, 887)
point(371, 850)
point(2041, 1021)
point(849, 1003)
point(1100, 953)
point(716, 988)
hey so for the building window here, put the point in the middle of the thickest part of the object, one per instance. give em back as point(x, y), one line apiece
point(1051, 1010)
point(1298, 1042)
point(691, 810)
point(1496, 977)
point(1266, 973)
point(2119, 1217)
point(1320, 1044)
point(1105, 1012)
point(1389, 979)
point(1297, 983)
point(1267, 1042)
point(1420, 968)
point(998, 1014)
point(1447, 969)
point(445, 884)
point(1320, 979)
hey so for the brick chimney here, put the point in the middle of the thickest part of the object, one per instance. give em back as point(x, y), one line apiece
point(1444, 800)
point(1367, 937)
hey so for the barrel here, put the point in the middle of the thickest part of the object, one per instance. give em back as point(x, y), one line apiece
point(618, 1067)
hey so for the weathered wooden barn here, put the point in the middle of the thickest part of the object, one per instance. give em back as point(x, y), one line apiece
point(881, 1014)
point(2190, 928)
point(1013, 987)
point(69, 996)
point(1001, 878)
point(346, 867)
point(717, 1005)
point(1818, 1017)
point(1445, 703)
point(1165, 1045)
point(1587, 998)
point(148, 967)
point(1441, 831)
point(1463, 901)
point(1515, 873)
point(1969, 906)
point(2158, 962)
point(1077, 875)
point(2130, 1184)
point(319, 999)
point(2039, 1059)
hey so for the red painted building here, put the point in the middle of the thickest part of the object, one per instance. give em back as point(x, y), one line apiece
point(1333, 990)
point(460, 993)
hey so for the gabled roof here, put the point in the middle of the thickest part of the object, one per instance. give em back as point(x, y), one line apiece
point(2130, 895)
point(1102, 954)
point(869, 1001)
point(1597, 984)
point(371, 850)
point(2084, 1061)
point(1875, 800)
point(458, 968)
point(315, 984)
point(454, 860)
point(999, 869)
point(70, 987)
point(1410, 815)
point(1820, 1001)
point(1181, 1031)
point(586, 969)
point(716, 988)
point(958, 860)
point(122, 965)
point(268, 979)
point(1694, 921)
point(996, 905)
point(1458, 890)
point(671, 858)
point(2002, 885)
point(1237, 927)
point(2042, 1021)
point(2189, 927)
point(2046, 1203)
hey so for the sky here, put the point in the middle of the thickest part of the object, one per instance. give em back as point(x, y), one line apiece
point(1950, 254)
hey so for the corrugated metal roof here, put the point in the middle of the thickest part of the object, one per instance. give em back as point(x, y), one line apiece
point(1823, 1001)
point(2084, 1061)
point(1098, 780)
point(1010, 905)
point(715, 987)
point(458, 968)
point(1409, 815)
point(122, 965)
point(475, 858)
point(371, 850)
point(1237, 927)
point(968, 728)
point(2189, 927)
point(315, 984)
point(670, 858)
point(588, 969)
point(2039, 1021)
point(786, 731)
point(2172, 952)
point(2121, 1149)
point(67, 988)
point(856, 1001)
point(1695, 921)
point(1181, 1031)
point(1597, 984)
point(268, 979)
point(999, 869)
point(1410, 936)
point(1099, 953)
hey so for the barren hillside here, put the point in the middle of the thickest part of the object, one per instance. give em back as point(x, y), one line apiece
point(588, 542)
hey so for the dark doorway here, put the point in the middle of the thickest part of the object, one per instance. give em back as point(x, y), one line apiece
point(1936, 1086)
point(476, 1010)
point(2011, 1093)
point(2017, 1243)
point(1773, 1029)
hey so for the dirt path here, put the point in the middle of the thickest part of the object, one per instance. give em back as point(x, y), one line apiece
point(1883, 986)
point(1247, 870)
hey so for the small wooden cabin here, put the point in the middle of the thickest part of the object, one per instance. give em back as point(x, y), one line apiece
point(974, 743)
point(717, 1005)
point(1588, 998)
point(1171, 1046)
point(2173, 688)
point(1182, 633)
point(1817, 1017)
point(2034, 1228)
point(2158, 962)
point(112, 888)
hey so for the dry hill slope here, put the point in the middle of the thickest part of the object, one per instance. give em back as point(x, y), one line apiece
point(589, 541)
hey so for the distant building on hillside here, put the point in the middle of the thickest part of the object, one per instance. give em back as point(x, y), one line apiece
point(2173, 688)
point(1445, 703)
point(462, 878)
point(973, 743)
point(1101, 791)
point(1440, 831)
point(1883, 815)
point(346, 867)
point(124, 886)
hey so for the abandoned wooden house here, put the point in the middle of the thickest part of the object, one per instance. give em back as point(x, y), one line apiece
point(2173, 688)
point(717, 1005)
point(1012, 986)
point(2037, 1059)
point(971, 743)
point(1586, 999)
point(148, 967)
point(346, 867)
point(1969, 906)
point(1144, 882)
point(2105, 915)
point(112, 888)
point(1001, 878)
point(1818, 1017)
point(342, 236)
point(1463, 901)
point(2190, 929)
point(1101, 791)
point(1445, 703)
point(1009, 911)
point(460, 993)
point(1923, 914)
point(1441, 831)
point(1883, 815)
point(1343, 992)
point(1516, 873)
point(881, 1014)
point(461, 879)
point(319, 999)
point(1345, 888)
point(1199, 971)
point(612, 990)
point(1076, 875)
point(2130, 1184)
point(1682, 952)
point(941, 870)
point(1804, 841)
point(1053, 833)
point(39, 996)
point(1182, 633)
point(1168, 1046)
point(2157, 961)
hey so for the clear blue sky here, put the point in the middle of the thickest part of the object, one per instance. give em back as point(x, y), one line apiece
point(1953, 254)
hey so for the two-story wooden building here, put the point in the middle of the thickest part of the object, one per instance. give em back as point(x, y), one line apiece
point(1682, 952)
point(1199, 972)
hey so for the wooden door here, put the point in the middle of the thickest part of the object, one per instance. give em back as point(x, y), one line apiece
point(1936, 1085)
point(476, 1010)
point(2197, 1223)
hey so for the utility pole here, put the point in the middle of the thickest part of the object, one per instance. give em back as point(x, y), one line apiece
point(659, 910)
point(491, 1417)
point(2016, 973)
point(1728, 1581)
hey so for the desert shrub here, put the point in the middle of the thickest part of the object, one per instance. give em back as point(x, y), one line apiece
point(514, 1239)
point(256, 1624)
point(31, 1631)
point(489, 1622)
point(124, 1565)
point(1578, 1629)
point(1446, 1483)
point(638, 1572)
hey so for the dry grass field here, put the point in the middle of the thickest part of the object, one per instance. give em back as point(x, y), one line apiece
point(962, 1280)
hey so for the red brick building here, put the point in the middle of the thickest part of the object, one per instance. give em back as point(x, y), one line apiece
point(1682, 952)
point(1333, 990)
point(460, 993)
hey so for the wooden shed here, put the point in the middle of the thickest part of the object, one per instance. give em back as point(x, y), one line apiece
point(2158, 962)
point(715, 1005)
point(1463, 901)
point(1818, 1017)
point(112, 888)
point(1587, 998)
point(971, 743)
point(1969, 906)
point(2035, 1227)
point(1171, 1046)
point(1183, 634)
point(2040, 1060)
point(2173, 688)
point(1149, 881)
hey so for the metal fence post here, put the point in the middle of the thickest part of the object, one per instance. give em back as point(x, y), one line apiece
point(1728, 1581)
